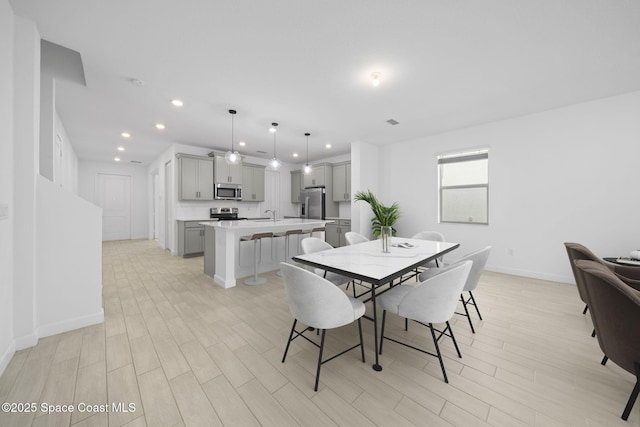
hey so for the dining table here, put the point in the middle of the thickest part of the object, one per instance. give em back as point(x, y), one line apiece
point(368, 263)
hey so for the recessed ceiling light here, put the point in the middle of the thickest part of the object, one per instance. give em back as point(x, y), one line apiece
point(116, 159)
point(177, 103)
point(295, 154)
point(159, 126)
point(121, 148)
point(242, 143)
point(126, 135)
point(328, 146)
point(375, 79)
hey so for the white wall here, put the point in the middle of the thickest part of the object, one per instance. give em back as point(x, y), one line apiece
point(556, 176)
point(26, 155)
point(69, 254)
point(7, 345)
point(87, 188)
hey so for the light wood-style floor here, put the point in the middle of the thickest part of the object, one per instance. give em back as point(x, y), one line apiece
point(185, 352)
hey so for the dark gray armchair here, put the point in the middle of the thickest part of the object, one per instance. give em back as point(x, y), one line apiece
point(615, 310)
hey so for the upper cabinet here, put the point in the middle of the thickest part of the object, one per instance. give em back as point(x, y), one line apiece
point(195, 177)
point(252, 183)
point(342, 182)
point(296, 186)
point(225, 173)
point(320, 176)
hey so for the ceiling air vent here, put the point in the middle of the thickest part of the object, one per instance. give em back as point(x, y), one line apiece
point(136, 161)
point(392, 122)
point(261, 152)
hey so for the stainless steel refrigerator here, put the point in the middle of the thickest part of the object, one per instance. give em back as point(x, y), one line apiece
point(312, 203)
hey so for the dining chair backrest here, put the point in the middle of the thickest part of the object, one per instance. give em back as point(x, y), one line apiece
point(627, 273)
point(314, 300)
point(435, 299)
point(429, 235)
point(353, 238)
point(479, 259)
point(313, 244)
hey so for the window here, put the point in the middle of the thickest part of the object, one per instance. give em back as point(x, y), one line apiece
point(464, 187)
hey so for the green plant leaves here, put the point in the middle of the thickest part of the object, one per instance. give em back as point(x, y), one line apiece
point(383, 215)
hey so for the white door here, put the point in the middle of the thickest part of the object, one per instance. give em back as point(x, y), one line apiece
point(114, 197)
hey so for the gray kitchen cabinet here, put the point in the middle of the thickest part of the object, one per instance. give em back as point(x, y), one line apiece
point(342, 182)
point(190, 238)
point(320, 176)
point(335, 231)
point(296, 186)
point(225, 173)
point(195, 177)
point(252, 183)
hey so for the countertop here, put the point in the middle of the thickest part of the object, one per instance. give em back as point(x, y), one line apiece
point(264, 223)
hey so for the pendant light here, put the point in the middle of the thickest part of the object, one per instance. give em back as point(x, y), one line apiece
point(307, 167)
point(274, 164)
point(232, 157)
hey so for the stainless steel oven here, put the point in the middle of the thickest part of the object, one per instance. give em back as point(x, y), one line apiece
point(228, 192)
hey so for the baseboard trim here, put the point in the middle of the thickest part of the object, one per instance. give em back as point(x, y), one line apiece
point(531, 274)
point(71, 324)
point(26, 341)
point(6, 356)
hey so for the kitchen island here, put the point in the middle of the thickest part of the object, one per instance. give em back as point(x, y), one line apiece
point(226, 259)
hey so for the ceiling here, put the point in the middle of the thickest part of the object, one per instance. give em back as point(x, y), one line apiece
point(307, 64)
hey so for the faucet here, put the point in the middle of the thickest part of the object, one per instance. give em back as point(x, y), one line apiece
point(273, 212)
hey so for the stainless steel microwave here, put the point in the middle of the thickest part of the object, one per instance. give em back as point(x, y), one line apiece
point(228, 192)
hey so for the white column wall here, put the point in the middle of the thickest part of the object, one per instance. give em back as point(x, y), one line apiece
point(7, 344)
point(27, 115)
point(562, 175)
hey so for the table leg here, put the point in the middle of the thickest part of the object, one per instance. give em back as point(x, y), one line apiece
point(376, 366)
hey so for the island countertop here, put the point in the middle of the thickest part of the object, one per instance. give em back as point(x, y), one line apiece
point(222, 248)
point(286, 223)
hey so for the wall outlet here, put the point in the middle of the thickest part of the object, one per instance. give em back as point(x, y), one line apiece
point(4, 211)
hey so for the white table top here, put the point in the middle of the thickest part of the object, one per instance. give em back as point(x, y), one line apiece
point(366, 261)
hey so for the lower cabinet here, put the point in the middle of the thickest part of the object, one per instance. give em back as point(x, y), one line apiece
point(335, 231)
point(190, 238)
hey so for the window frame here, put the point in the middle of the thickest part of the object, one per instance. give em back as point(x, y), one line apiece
point(461, 157)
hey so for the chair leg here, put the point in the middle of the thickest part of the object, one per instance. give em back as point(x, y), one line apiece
point(453, 338)
point(435, 342)
point(634, 394)
point(466, 311)
point(406, 324)
point(286, 350)
point(315, 388)
point(475, 305)
point(586, 307)
point(384, 317)
point(604, 360)
point(361, 341)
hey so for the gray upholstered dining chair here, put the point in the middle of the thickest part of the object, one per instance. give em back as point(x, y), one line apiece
point(615, 310)
point(317, 303)
point(434, 236)
point(313, 244)
point(479, 259)
point(628, 274)
point(354, 238)
point(429, 302)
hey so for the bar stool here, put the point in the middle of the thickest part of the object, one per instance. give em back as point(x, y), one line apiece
point(257, 237)
point(286, 235)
